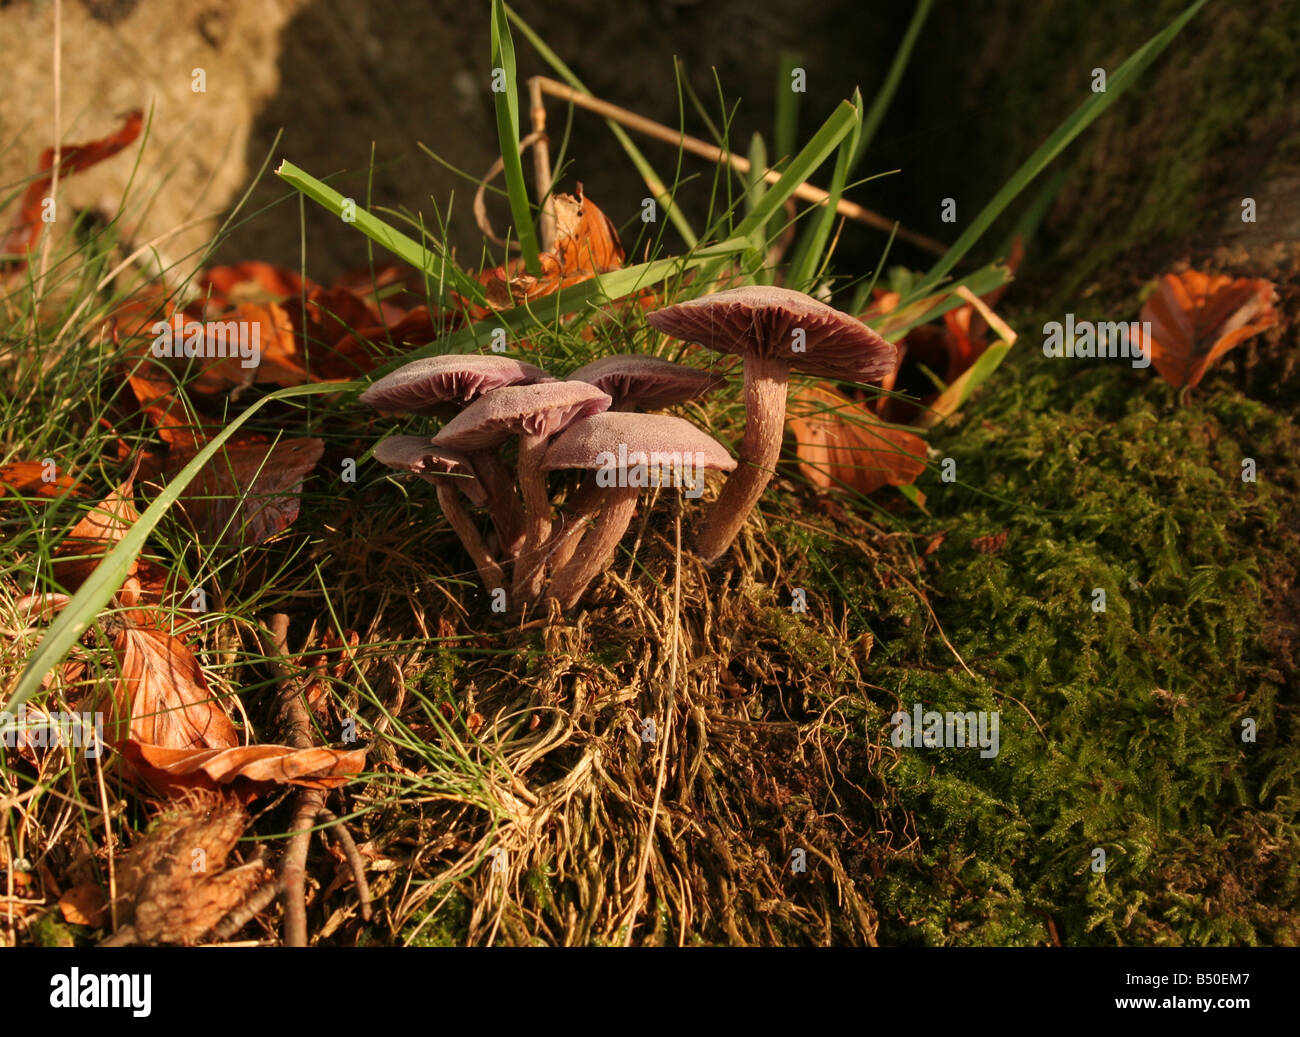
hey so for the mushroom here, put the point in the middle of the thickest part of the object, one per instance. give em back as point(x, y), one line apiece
point(442, 385)
point(534, 413)
point(628, 452)
point(637, 382)
point(772, 330)
point(634, 382)
point(448, 470)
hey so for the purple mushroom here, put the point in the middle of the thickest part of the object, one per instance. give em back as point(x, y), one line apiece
point(449, 471)
point(628, 452)
point(533, 413)
point(772, 330)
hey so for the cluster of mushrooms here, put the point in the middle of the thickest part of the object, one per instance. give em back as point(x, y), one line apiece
point(594, 422)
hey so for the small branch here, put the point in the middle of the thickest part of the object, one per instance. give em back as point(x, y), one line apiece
point(340, 832)
point(542, 165)
point(713, 153)
point(293, 872)
point(245, 912)
point(309, 804)
point(480, 206)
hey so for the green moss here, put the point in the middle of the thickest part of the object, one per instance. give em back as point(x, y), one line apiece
point(48, 931)
point(445, 924)
point(1100, 481)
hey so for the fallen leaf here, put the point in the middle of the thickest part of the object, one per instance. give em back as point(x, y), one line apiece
point(586, 243)
point(948, 349)
point(1196, 318)
point(991, 544)
point(162, 697)
point(85, 905)
point(248, 768)
point(28, 479)
point(249, 491)
point(253, 281)
point(840, 443)
point(26, 229)
point(95, 535)
point(934, 543)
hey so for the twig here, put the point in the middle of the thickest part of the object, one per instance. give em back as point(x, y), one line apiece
point(245, 912)
point(108, 834)
point(309, 804)
point(293, 871)
point(542, 165)
point(480, 206)
point(340, 832)
point(714, 153)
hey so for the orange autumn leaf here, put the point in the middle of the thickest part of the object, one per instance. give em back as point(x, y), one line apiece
point(1195, 318)
point(84, 905)
point(586, 243)
point(26, 229)
point(97, 533)
point(162, 696)
point(249, 281)
point(174, 735)
point(840, 443)
point(250, 768)
point(167, 407)
point(36, 479)
point(249, 491)
point(264, 329)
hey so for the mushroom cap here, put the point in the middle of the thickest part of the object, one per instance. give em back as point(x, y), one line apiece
point(431, 462)
point(645, 381)
point(440, 384)
point(634, 439)
point(760, 321)
point(535, 410)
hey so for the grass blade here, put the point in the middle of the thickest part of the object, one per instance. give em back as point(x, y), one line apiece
point(506, 101)
point(814, 153)
point(1076, 123)
point(437, 264)
point(107, 577)
point(807, 258)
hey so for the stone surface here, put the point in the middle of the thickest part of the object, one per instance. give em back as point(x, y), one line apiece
point(121, 54)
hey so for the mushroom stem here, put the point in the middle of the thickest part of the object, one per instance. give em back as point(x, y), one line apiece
point(488, 570)
point(597, 548)
point(766, 380)
point(537, 516)
point(564, 542)
point(577, 515)
point(503, 503)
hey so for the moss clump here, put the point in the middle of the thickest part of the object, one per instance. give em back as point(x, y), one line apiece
point(1127, 736)
point(444, 924)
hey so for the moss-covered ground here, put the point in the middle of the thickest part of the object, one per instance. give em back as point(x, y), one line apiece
point(1161, 730)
